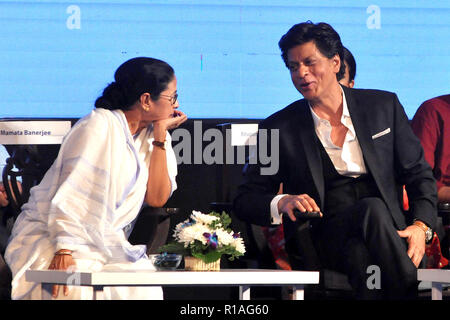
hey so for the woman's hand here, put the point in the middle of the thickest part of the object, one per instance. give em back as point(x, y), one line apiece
point(61, 261)
point(161, 126)
point(177, 118)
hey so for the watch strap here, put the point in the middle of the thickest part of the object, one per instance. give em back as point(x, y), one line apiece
point(425, 228)
point(159, 144)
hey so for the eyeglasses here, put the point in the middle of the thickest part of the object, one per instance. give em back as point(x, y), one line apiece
point(173, 99)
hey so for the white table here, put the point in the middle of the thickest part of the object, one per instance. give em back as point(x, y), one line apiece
point(437, 277)
point(244, 278)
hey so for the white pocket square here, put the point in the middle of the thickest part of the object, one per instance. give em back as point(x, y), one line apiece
point(381, 133)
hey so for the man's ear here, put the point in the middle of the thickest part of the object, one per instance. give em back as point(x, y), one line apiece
point(336, 62)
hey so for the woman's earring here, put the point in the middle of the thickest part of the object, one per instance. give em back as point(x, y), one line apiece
point(146, 109)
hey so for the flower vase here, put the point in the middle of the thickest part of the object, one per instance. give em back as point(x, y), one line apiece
point(195, 264)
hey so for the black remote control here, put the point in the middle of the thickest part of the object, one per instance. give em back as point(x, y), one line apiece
point(306, 215)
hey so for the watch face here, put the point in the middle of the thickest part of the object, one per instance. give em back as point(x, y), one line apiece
point(428, 235)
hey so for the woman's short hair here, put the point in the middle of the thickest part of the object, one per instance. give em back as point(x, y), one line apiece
point(133, 78)
point(325, 38)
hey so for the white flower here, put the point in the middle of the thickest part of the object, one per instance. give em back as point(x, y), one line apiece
point(189, 234)
point(238, 243)
point(202, 218)
point(224, 238)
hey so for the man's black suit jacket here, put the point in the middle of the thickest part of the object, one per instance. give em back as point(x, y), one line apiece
point(391, 152)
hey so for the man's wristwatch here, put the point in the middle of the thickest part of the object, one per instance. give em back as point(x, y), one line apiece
point(426, 229)
point(160, 144)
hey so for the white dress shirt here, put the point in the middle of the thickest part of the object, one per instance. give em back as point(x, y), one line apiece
point(347, 160)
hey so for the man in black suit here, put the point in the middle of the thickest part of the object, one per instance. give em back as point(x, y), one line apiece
point(345, 153)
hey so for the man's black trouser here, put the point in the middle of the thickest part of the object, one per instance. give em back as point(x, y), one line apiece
point(352, 238)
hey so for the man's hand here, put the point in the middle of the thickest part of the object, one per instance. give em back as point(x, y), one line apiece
point(415, 237)
point(302, 202)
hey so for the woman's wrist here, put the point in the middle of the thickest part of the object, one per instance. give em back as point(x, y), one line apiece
point(159, 132)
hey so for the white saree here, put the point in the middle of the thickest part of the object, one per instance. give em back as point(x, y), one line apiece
point(93, 190)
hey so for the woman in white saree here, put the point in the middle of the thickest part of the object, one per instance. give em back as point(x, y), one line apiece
point(112, 160)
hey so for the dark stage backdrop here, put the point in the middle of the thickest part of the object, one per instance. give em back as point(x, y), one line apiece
point(56, 56)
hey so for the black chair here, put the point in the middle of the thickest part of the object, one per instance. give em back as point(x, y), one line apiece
point(152, 227)
point(444, 215)
point(12, 188)
point(30, 163)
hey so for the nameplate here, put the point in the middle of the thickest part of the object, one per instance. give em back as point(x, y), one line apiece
point(33, 132)
point(244, 134)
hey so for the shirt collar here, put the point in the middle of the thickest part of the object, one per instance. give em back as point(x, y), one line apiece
point(345, 112)
point(345, 118)
point(315, 117)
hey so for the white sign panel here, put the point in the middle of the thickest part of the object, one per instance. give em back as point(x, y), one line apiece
point(33, 132)
point(244, 134)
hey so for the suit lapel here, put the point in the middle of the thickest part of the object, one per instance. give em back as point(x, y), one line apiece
point(309, 141)
point(361, 123)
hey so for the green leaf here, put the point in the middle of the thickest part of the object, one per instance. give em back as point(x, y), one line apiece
point(174, 247)
point(209, 257)
point(224, 220)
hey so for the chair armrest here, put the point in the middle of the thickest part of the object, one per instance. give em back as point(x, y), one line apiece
point(444, 207)
point(152, 227)
point(172, 211)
